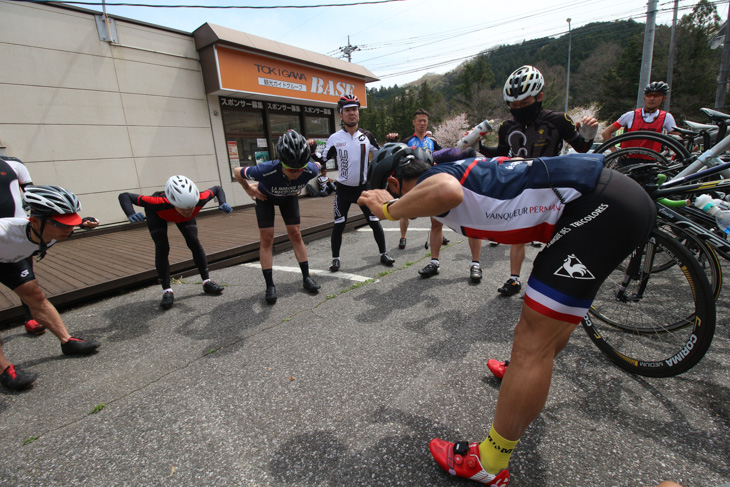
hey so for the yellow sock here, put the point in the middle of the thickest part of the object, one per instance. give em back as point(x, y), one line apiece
point(495, 452)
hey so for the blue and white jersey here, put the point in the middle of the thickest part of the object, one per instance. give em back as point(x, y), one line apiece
point(425, 143)
point(516, 201)
point(273, 182)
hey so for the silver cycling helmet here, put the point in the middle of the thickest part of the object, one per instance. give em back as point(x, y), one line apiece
point(182, 192)
point(53, 202)
point(292, 150)
point(657, 87)
point(523, 82)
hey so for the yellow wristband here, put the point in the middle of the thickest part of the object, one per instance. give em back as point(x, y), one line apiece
point(386, 213)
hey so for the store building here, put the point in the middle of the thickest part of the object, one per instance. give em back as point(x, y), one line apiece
point(105, 107)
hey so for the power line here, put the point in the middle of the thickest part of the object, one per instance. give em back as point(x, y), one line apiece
point(252, 7)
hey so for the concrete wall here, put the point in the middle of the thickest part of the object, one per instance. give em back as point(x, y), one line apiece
point(100, 119)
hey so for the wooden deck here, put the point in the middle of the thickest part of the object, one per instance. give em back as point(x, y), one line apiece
point(94, 263)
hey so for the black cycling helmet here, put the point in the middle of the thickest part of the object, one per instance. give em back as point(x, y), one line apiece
point(657, 87)
point(390, 158)
point(292, 150)
point(53, 202)
point(348, 100)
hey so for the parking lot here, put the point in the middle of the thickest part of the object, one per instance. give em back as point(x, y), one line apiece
point(342, 388)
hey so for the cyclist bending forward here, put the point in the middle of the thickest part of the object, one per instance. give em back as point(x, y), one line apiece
point(572, 203)
point(179, 203)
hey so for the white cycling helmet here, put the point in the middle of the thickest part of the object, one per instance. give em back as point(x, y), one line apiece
point(523, 82)
point(182, 192)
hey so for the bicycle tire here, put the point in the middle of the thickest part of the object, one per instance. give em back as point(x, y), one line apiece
point(668, 329)
point(680, 151)
point(703, 253)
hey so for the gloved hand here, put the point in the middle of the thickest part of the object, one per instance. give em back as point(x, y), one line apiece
point(137, 217)
point(225, 207)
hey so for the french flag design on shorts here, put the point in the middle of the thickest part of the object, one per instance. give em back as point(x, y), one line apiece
point(554, 304)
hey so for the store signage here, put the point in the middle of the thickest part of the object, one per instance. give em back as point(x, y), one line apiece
point(251, 73)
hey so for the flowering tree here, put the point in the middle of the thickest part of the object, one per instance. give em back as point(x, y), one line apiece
point(451, 130)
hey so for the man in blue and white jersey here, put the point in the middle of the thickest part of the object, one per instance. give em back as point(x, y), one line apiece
point(278, 183)
point(572, 204)
point(351, 147)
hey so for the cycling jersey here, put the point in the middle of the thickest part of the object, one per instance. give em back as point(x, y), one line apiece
point(15, 242)
point(161, 206)
point(351, 153)
point(656, 121)
point(13, 176)
point(274, 183)
point(519, 200)
point(571, 202)
point(542, 138)
point(425, 143)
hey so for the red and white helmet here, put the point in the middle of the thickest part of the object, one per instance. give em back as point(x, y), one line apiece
point(523, 82)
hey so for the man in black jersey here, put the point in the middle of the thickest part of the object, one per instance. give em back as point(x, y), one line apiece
point(533, 132)
point(351, 148)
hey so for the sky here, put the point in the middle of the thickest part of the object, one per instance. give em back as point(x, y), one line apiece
point(400, 40)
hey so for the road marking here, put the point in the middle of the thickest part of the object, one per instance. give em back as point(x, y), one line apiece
point(340, 275)
point(396, 229)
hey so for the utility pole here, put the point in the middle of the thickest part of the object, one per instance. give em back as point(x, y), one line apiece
point(722, 78)
point(567, 80)
point(670, 68)
point(349, 49)
point(648, 51)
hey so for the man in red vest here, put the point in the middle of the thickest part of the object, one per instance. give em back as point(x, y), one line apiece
point(648, 118)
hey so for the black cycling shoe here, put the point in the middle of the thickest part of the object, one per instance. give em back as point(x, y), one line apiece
point(385, 259)
point(445, 241)
point(271, 294)
point(16, 379)
point(430, 270)
point(475, 274)
point(402, 243)
point(77, 346)
point(211, 287)
point(167, 299)
point(335, 265)
point(310, 285)
point(510, 288)
point(537, 245)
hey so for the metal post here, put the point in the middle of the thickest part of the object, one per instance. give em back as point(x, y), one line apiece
point(567, 79)
point(648, 52)
point(670, 68)
point(722, 77)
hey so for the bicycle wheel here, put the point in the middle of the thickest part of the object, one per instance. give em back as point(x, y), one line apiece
point(671, 148)
point(655, 324)
point(703, 253)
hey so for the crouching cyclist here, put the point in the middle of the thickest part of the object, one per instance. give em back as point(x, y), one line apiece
point(53, 215)
point(179, 203)
point(577, 208)
point(277, 183)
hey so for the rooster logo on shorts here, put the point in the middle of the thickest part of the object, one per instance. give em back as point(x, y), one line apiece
point(573, 268)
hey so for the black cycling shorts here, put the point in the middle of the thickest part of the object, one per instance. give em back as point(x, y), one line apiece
point(14, 274)
point(347, 195)
point(288, 207)
point(593, 235)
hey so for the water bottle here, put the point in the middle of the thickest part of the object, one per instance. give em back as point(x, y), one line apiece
point(474, 134)
point(722, 217)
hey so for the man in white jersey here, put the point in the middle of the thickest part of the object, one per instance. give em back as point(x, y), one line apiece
point(351, 148)
point(53, 215)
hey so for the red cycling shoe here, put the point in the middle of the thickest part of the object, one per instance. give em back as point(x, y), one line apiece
point(462, 460)
point(34, 328)
point(497, 368)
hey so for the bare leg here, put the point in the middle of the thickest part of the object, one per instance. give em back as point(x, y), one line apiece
point(43, 311)
point(516, 257)
point(266, 249)
point(537, 340)
point(475, 245)
point(436, 238)
point(403, 227)
point(295, 236)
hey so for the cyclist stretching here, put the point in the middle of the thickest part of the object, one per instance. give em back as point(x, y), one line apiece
point(572, 203)
point(278, 183)
point(351, 148)
point(53, 215)
point(179, 203)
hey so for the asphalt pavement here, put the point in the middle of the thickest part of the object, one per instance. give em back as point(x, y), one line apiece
point(342, 388)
